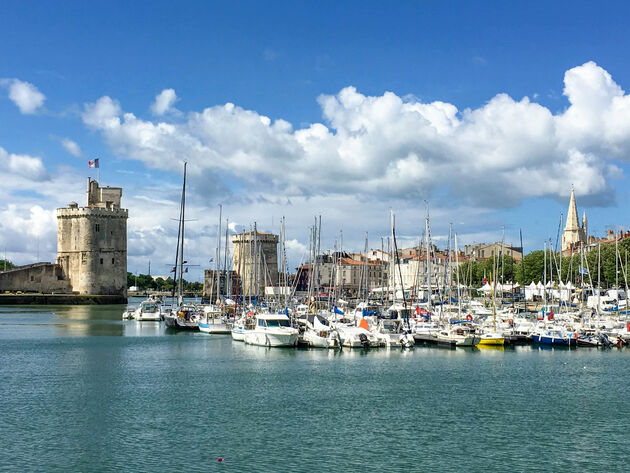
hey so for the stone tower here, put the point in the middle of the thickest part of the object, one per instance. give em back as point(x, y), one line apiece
point(248, 261)
point(92, 242)
point(574, 233)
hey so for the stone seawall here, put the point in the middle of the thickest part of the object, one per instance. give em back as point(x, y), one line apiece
point(59, 299)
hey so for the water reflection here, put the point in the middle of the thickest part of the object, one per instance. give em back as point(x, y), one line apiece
point(85, 321)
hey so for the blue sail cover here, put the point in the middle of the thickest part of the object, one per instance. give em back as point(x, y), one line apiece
point(338, 311)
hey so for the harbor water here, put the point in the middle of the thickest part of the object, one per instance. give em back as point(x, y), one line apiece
point(82, 390)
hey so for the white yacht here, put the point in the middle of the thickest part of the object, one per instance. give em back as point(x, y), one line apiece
point(391, 333)
point(148, 310)
point(318, 334)
point(214, 322)
point(462, 334)
point(271, 330)
point(353, 336)
point(184, 317)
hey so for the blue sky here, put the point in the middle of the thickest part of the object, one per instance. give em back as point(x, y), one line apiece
point(291, 62)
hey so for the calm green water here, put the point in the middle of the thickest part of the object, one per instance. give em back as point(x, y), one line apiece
point(82, 390)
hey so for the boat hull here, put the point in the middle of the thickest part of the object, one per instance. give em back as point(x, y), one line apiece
point(499, 341)
point(178, 323)
point(214, 328)
point(556, 341)
point(238, 334)
point(150, 317)
point(469, 341)
point(271, 339)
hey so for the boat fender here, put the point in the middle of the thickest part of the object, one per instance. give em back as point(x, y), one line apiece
point(469, 318)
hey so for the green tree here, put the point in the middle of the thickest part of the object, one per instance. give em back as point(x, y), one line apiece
point(6, 264)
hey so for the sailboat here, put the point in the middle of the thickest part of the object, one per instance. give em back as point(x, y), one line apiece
point(183, 316)
point(214, 320)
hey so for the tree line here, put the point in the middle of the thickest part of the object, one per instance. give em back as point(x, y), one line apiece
point(535, 264)
point(145, 282)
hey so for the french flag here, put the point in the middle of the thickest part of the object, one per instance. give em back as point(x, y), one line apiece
point(93, 163)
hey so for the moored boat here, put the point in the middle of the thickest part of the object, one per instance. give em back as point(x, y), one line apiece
point(271, 330)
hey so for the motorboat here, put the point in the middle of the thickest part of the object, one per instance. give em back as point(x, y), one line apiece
point(462, 334)
point(184, 317)
point(555, 336)
point(271, 330)
point(148, 310)
point(318, 333)
point(391, 333)
point(214, 322)
point(357, 336)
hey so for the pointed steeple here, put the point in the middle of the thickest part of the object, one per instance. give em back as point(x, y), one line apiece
point(585, 224)
point(573, 223)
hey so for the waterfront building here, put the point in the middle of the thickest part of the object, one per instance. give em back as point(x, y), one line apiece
point(485, 250)
point(346, 272)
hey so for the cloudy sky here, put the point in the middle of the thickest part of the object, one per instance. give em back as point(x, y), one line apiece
point(347, 110)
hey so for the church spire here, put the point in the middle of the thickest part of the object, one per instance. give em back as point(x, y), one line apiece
point(573, 223)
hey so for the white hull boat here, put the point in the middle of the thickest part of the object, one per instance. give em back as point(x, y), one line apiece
point(271, 330)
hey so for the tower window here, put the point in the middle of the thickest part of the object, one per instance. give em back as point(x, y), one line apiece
point(101, 260)
point(97, 227)
point(112, 260)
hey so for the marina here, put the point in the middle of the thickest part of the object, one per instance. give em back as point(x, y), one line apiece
point(304, 237)
point(94, 387)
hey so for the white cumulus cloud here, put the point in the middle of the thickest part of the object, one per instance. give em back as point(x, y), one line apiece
point(163, 102)
point(72, 147)
point(392, 147)
point(25, 95)
point(22, 165)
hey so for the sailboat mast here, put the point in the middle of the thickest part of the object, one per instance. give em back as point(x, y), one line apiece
point(428, 256)
point(217, 266)
point(459, 296)
point(450, 258)
point(226, 277)
point(181, 256)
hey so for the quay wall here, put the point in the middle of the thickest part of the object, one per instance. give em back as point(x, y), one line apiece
point(60, 299)
point(37, 277)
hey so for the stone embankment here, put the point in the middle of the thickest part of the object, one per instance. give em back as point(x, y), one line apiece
point(60, 299)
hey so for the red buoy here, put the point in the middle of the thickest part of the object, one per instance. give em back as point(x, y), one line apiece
point(220, 459)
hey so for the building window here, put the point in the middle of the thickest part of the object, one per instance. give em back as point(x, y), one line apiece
point(101, 260)
point(112, 260)
point(97, 227)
